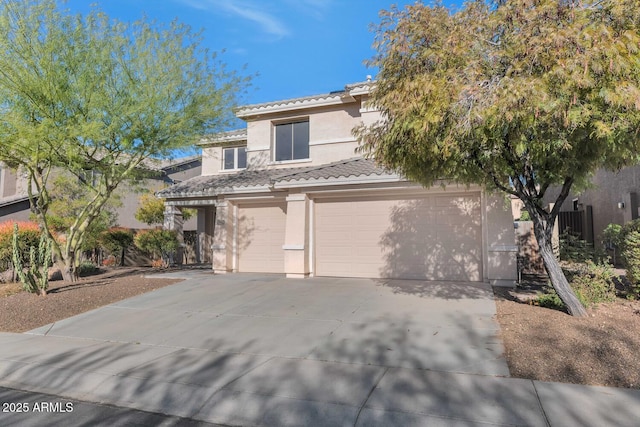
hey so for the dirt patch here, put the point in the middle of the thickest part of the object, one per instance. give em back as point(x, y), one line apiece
point(550, 345)
point(21, 311)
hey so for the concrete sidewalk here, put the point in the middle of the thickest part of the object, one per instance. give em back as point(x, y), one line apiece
point(262, 350)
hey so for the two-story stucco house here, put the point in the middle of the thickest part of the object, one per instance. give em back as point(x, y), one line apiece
point(290, 195)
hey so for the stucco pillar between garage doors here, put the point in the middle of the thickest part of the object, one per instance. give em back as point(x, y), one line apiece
point(500, 242)
point(296, 238)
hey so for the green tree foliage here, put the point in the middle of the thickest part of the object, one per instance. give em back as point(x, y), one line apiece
point(518, 96)
point(116, 240)
point(151, 210)
point(68, 200)
point(159, 243)
point(91, 94)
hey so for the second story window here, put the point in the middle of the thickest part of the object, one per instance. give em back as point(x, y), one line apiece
point(291, 141)
point(234, 158)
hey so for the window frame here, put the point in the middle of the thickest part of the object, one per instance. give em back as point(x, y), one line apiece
point(235, 158)
point(274, 147)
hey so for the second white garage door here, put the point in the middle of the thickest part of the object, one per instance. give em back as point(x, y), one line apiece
point(260, 238)
point(429, 238)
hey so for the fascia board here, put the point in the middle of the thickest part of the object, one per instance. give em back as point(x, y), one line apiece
point(317, 182)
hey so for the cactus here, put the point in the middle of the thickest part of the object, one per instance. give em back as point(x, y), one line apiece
point(35, 278)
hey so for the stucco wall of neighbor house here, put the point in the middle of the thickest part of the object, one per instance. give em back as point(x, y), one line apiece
point(185, 171)
point(608, 190)
point(8, 182)
point(19, 211)
point(130, 195)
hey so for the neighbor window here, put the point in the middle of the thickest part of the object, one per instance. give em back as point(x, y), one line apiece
point(291, 141)
point(234, 158)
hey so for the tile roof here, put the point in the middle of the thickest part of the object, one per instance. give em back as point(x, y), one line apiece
point(356, 167)
point(230, 136)
point(335, 97)
point(264, 179)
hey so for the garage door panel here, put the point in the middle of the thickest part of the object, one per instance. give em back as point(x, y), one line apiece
point(433, 238)
point(261, 230)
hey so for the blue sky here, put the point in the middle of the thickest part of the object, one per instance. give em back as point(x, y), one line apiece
point(297, 47)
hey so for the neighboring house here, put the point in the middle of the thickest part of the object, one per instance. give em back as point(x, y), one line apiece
point(612, 198)
point(167, 172)
point(14, 202)
point(290, 195)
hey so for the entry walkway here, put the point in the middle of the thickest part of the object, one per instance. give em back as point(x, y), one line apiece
point(263, 350)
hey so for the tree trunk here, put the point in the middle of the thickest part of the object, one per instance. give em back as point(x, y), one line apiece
point(543, 232)
point(67, 269)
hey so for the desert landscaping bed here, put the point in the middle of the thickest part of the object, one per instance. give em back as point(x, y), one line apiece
point(550, 345)
point(21, 311)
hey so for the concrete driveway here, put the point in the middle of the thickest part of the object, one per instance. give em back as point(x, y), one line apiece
point(263, 350)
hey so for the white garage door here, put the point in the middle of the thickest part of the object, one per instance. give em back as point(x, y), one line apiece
point(430, 238)
point(260, 238)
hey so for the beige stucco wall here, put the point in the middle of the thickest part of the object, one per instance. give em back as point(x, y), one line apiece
point(330, 137)
point(211, 160)
point(499, 247)
point(500, 238)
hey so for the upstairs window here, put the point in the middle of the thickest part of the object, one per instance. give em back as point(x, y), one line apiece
point(234, 158)
point(291, 141)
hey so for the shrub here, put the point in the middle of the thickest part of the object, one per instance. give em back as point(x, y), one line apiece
point(550, 300)
point(116, 240)
point(595, 284)
point(629, 227)
point(631, 257)
point(157, 263)
point(109, 261)
point(612, 236)
point(612, 240)
point(28, 236)
point(572, 248)
point(87, 268)
point(159, 243)
point(151, 210)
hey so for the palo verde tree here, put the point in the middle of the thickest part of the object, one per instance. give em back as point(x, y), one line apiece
point(515, 95)
point(92, 96)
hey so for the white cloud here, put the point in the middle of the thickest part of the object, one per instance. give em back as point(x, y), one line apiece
point(315, 8)
point(248, 10)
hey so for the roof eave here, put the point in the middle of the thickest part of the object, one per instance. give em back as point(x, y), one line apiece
point(350, 180)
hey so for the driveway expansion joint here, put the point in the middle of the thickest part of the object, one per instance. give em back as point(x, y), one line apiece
point(373, 388)
point(544, 413)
